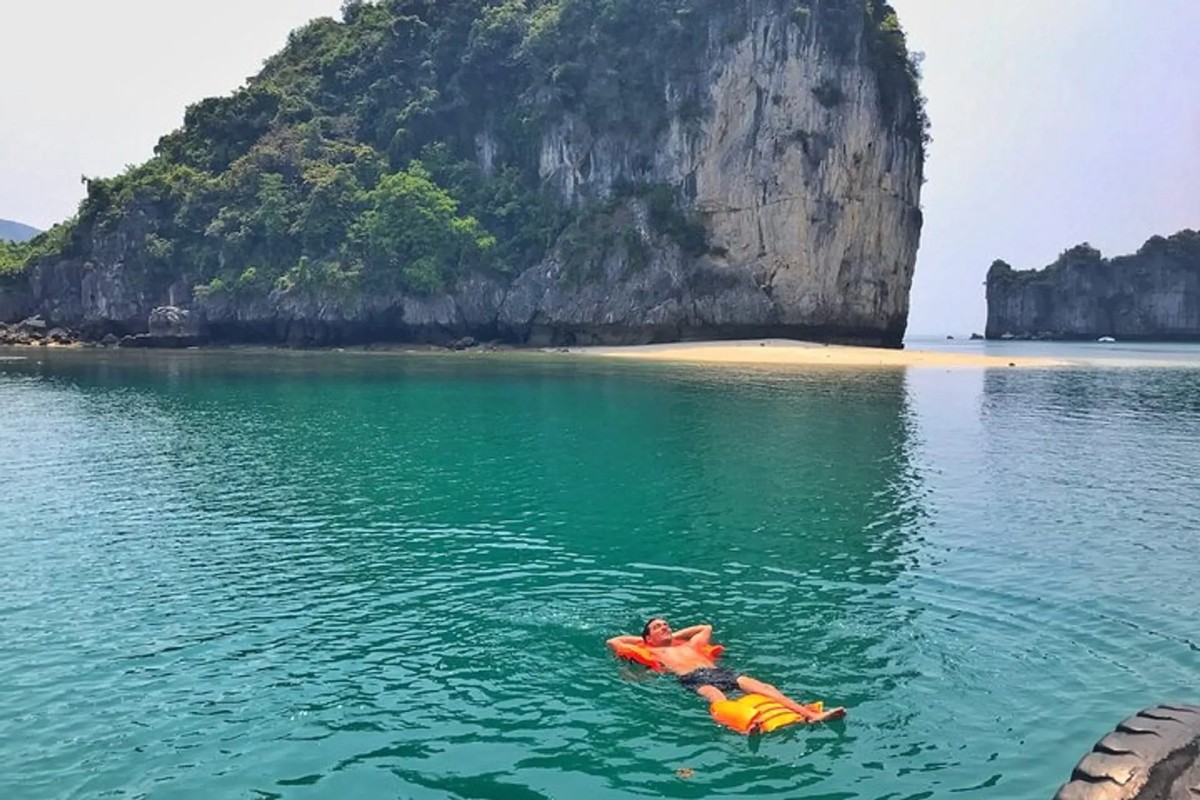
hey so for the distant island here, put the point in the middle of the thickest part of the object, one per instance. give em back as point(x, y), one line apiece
point(1151, 295)
point(16, 231)
point(549, 173)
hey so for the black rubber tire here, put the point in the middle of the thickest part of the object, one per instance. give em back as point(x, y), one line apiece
point(1153, 755)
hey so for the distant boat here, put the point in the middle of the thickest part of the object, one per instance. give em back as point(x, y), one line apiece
point(1106, 339)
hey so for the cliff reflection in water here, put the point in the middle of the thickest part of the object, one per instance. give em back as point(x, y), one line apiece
point(750, 497)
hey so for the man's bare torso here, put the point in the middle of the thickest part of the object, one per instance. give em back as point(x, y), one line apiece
point(682, 658)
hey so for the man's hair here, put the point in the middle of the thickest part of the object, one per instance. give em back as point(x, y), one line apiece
point(646, 628)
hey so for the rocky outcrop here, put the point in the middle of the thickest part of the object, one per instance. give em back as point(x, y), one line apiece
point(797, 160)
point(35, 331)
point(170, 327)
point(1154, 294)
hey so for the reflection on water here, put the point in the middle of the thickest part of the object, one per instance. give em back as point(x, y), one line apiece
point(1060, 519)
point(373, 575)
point(1139, 354)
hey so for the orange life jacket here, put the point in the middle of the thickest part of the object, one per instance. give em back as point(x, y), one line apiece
point(753, 713)
point(644, 655)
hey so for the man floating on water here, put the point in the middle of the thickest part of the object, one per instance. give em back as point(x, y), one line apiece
point(691, 655)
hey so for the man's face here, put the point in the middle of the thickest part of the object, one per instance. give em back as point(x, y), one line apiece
point(659, 633)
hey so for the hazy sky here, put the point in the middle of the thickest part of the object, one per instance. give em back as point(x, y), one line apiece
point(1055, 121)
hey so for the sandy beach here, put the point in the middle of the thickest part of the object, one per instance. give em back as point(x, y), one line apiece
point(786, 352)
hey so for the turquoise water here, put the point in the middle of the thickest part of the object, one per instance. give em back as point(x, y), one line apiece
point(326, 575)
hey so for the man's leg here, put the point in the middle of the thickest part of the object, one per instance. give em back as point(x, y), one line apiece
point(753, 686)
point(711, 693)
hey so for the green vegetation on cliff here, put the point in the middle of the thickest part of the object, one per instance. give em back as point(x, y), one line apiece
point(898, 72)
point(15, 257)
point(1183, 247)
point(1002, 273)
point(399, 148)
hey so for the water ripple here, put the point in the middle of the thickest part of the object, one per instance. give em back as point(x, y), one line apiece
point(326, 576)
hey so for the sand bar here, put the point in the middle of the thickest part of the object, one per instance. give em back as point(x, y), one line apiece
point(786, 352)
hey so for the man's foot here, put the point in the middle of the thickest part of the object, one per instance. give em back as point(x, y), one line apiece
point(812, 712)
point(759, 724)
point(825, 716)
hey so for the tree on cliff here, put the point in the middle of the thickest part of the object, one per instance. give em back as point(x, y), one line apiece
point(413, 236)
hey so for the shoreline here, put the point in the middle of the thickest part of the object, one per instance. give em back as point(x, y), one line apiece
point(789, 352)
point(748, 352)
point(761, 353)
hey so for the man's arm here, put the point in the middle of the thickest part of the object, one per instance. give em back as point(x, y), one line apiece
point(696, 634)
point(617, 641)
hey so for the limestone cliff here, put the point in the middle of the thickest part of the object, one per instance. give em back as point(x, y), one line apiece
point(1152, 295)
point(809, 195)
point(793, 146)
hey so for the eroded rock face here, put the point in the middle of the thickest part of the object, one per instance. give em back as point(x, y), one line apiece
point(16, 302)
point(1154, 294)
point(807, 184)
point(809, 196)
